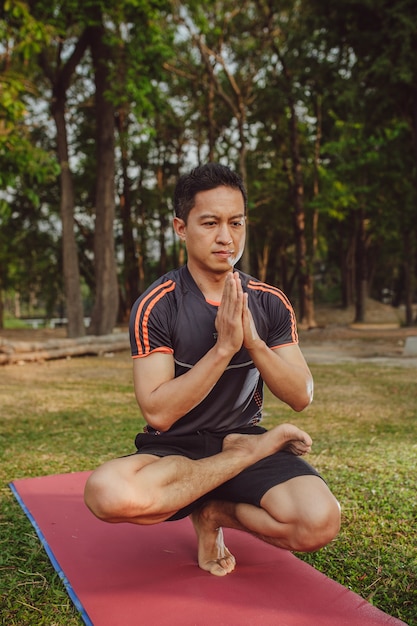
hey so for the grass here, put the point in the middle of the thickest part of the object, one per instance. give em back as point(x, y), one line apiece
point(71, 415)
point(14, 324)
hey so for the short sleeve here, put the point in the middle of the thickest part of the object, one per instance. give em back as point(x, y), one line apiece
point(151, 320)
point(283, 329)
point(281, 325)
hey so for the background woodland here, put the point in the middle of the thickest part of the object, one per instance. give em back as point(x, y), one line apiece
point(103, 103)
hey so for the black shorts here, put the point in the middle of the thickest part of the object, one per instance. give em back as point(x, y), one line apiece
point(249, 486)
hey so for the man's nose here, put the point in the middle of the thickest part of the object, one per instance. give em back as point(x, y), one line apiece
point(223, 235)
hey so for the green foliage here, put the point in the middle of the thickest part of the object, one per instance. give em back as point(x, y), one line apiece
point(139, 47)
point(29, 254)
point(31, 34)
point(22, 161)
point(191, 81)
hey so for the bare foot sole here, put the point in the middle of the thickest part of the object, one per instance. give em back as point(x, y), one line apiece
point(284, 436)
point(213, 556)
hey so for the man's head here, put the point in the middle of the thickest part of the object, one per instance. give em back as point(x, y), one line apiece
point(204, 178)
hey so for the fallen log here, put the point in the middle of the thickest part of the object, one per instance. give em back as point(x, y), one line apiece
point(24, 351)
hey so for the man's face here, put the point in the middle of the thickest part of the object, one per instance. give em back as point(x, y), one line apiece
point(215, 230)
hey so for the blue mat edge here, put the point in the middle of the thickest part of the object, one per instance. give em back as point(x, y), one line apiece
point(52, 558)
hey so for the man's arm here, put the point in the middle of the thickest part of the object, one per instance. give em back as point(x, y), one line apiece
point(164, 399)
point(284, 370)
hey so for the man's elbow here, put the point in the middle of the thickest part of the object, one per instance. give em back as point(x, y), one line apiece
point(158, 421)
point(153, 415)
point(300, 405)
point(303, 400)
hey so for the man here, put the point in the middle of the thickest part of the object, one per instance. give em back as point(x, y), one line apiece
point(204, 339)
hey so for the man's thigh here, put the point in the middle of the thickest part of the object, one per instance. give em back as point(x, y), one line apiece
point(253, 483)
point(117, 474)
point(303, 497)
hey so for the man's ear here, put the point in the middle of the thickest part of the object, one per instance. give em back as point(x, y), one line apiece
point(180, 227)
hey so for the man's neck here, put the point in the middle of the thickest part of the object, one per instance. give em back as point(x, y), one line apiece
point(210, 283)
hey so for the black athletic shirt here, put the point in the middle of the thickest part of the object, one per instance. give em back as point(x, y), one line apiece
point(172, 316)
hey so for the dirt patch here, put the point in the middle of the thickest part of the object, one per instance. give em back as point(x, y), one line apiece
point(375, 313)
point(32, 334)
point(337, 338)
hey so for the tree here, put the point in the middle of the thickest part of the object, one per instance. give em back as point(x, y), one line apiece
point(60, 74)
point(139, 43)
point(106, 301)
point(288, 54)
point(226, 38)
point(315, 105)
point(104, 29)
point(25, 164)
point(380, 41)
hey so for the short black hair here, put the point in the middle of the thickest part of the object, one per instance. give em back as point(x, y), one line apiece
point(203, 178)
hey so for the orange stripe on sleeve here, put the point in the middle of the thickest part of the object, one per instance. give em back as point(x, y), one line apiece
point(148, 303)
point(148, 312)
point(281, 295)
point(163, 350)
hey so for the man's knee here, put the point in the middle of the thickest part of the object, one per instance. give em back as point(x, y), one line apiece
point(99, 498)
point(320, 527)
point(113, 496)
point(110, 499)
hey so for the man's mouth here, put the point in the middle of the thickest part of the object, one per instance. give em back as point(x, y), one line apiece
point(223, 252)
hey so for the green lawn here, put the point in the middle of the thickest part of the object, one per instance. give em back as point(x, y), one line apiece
point(71, 415)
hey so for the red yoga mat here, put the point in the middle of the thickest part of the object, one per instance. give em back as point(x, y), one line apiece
point(127, 575)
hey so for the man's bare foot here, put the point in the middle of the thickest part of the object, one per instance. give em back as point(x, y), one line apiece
point(284, 436)
point(213, 556)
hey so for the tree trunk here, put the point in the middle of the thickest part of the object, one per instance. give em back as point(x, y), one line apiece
point(408, 279)
point(71, 270)
point(130, 264)
point(263, 259)
point(163, 220)
point(305, 280)
point(347, 246)
point(361, 269)
point(1, 301)
point(60, 79)
point(106, 304)
point(411, 258)
point(245, 261)
point(211, 136)
point(315, 216)
point(141, 248)
point(306, 314)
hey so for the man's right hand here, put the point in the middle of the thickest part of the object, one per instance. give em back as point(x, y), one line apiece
point(229, 325)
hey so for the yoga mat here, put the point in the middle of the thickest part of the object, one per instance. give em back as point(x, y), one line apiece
point(127, 575)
